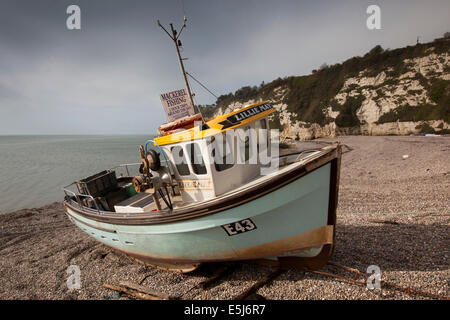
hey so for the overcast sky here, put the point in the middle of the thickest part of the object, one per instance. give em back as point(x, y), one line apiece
point(106, 78)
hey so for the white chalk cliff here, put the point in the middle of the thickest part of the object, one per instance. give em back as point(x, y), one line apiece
point(380, 94)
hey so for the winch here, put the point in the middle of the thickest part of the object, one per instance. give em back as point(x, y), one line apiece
point(154, 177)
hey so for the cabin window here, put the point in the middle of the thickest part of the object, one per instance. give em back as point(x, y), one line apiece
point(244, 141)
point(180, 161)
point(262, 125)
point(227, 160)
point(195, 155)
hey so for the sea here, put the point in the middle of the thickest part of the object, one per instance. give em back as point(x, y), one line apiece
point(33, 169)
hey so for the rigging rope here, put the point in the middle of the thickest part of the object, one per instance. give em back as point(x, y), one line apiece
point(201, 84)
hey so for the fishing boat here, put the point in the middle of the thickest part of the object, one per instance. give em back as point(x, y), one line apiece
point(202, 193)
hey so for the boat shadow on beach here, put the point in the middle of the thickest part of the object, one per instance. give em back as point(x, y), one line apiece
point(393, 246)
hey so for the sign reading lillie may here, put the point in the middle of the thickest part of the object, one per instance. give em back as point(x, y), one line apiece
point(177, 104)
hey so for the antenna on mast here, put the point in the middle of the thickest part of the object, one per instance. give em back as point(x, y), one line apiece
point(175, 36)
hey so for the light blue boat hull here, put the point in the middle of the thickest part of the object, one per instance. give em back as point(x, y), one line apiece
point(293, 220)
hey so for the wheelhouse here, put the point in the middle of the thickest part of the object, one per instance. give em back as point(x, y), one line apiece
point(220, 155)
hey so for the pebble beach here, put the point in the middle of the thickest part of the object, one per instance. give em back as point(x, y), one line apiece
point(393, 212)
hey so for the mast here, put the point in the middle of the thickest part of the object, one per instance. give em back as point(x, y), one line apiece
point(174, 38)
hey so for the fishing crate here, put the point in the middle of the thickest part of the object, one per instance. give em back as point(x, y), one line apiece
point(98, 184)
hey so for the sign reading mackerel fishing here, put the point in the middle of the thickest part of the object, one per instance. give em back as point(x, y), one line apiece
point(237, 118)
point(177, 104)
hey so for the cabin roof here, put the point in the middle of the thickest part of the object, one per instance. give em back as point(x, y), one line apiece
point(220, 124)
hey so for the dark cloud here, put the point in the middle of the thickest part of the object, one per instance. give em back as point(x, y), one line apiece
point(107, 77)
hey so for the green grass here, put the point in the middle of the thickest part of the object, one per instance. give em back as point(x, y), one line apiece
point(414, 92)
point(425, 128)
point(275, 123)
point(347, 116)
point(423, 112)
